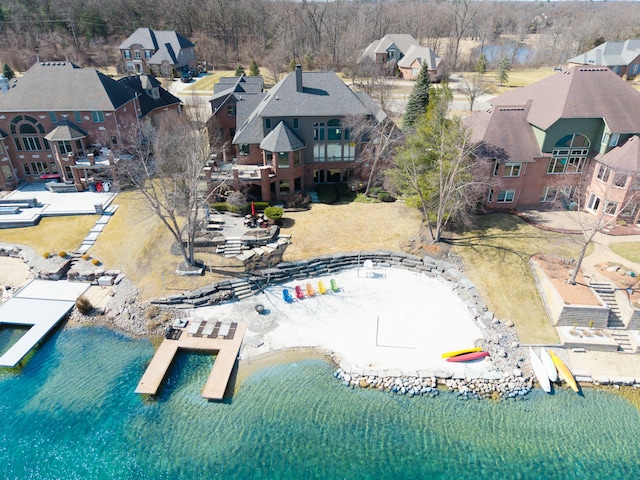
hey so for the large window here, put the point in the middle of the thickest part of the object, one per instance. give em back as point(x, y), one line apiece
point(569, 154)
point(620, 180)
point(39, 168)
point(283, 159)
point(593, 203)
point(65, 147)
point(331, 142)
point(506, 196)
point(610, 208)
point(603, 173)
point(97, 116)
point(29, 134)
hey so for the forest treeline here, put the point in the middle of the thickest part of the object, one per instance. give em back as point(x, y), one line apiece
point(320, 34)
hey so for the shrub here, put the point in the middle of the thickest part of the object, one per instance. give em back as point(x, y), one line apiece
point(386, 197)
point(95, 261)
point(298, 200)
point(219, 206)
point(274, 213)
point(151, 312)
point(45, 255)
point(327, 193)
point(259, 206)
point(84, 305)
point(85, 257)
point(343, 191)
point(62, 254)
point(375, 191)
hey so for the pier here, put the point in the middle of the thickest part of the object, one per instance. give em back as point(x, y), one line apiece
point(227, 347)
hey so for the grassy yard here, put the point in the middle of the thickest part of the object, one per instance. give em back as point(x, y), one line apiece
point(205, 83)
point(628, 250)
point(496, 255)
point(349, 227)
point(52, 234)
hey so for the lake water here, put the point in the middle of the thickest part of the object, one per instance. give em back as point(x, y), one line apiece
point(70, 413)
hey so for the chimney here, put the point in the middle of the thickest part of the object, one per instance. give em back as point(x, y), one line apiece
point(298, 78)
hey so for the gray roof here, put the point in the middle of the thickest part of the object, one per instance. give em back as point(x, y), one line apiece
point(504, 134)
point(167, 44)
point(239, 84)
point(281, 139)
point(142, 84)
point(610, 54)
point(66, 131)
point(63, 86)
point(323, 95)
point(624, 158)
point(579, 92)
point(402, 41)
point(424, 55)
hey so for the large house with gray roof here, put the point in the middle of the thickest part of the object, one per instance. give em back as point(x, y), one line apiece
point(388, 51)
point(623, 58)
point(159, 52)
point(295, 136)
point(570, 139)
point(417, 57)
point(59, 122)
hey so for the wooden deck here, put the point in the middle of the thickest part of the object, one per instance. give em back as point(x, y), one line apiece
point(216, 384)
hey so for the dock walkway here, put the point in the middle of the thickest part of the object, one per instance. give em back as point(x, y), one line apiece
point(227, 352)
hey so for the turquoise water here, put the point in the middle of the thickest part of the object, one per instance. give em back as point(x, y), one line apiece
point(71, 413)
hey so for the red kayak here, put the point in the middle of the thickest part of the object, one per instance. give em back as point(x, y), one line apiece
point(467, 357)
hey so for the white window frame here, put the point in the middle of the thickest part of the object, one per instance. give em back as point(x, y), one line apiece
point(549, 194)
point(593, 203)
point(616, 180)
point(610, 208)
point(603, 173)
point(508, 196)
point(509, 169)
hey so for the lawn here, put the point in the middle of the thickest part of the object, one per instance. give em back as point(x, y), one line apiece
point(496, 256)
point(205, 83)
point(628, 250)
point(52, 234)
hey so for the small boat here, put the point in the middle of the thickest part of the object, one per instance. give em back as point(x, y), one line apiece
point(563, 371)
point(547, 361)
point(467, 357)
point(540, 371)
point(461, 352)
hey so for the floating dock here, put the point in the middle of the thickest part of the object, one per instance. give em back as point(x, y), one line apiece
point(227, 352)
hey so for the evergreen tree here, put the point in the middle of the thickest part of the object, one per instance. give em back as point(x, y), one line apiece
point(239, 70)
point(503, 70)
point(254, 71)
point(481, 65)
point(418, 99)
point(7, 72)
point(292, 64)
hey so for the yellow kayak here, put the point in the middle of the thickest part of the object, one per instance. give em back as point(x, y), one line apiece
point(563, 371)
point(461, 352)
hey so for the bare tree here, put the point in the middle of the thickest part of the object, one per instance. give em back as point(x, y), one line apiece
point(473, 88)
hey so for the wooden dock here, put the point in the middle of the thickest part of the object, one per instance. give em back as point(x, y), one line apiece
point(214, 388)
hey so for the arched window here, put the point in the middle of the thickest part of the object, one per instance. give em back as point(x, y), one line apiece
point(570, 154)
point(29, 134)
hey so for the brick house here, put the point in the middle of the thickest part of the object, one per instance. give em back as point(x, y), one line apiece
point(388, 51)
point(295, 136)
point(554, 141)
point(59, 121)
point(415, 58)
point(623, 58)
point(160, 52)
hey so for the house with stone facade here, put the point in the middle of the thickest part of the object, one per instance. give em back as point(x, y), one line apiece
point(162, 53)
point(388, 51)
point(293, 137)
point(60, 122)
point(570, 139)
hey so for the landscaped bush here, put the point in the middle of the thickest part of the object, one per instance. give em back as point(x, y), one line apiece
point(274, 213)
point(62, 254)
point(259, 206)
point(45, 255)
point(83, 304)
point(219, 206)
point(386, 197)
point(95, 261)
point(327, 193)
point(343, 191)
point(86, 257)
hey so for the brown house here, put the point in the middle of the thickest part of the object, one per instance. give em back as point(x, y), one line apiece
point(550, 139)
point(60, 121)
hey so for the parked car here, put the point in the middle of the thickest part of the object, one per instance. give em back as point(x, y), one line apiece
point(185, 77)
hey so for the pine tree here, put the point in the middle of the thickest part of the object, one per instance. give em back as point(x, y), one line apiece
point(418, 99)
point(503, 70)
point(7, 72)
point(254, 71)
point(239, 70)
point(481, 65)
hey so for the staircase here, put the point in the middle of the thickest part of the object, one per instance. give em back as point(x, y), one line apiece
point(241, 288)
point(232, 247)
point(614, 322)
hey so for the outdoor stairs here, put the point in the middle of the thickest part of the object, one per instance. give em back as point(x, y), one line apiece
point(614, 323)
point(232, 247)
point(91, 238)
point(241, 288)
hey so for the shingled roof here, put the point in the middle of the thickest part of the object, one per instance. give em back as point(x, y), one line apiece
point(579, 92)
point(424, 55)
point(624, 158)
point(610, 54)
point(402, 41)
point(63, 86)
point(281, 139)
point(142, 84)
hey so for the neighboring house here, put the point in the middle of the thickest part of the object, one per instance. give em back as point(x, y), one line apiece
point(59, 122)
point(388, 51)
point(549, 140)
point(623, 58)
point(160, 52)
point(296, 136)
point(415, 57)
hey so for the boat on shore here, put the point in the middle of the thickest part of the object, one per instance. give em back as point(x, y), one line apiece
point(549, 366)
point(455, 353)
point(467, 357)
point(563, 371)
point(540, 371)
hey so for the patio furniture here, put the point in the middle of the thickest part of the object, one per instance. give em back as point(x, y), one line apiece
point(208, 329)
point(193, 329)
